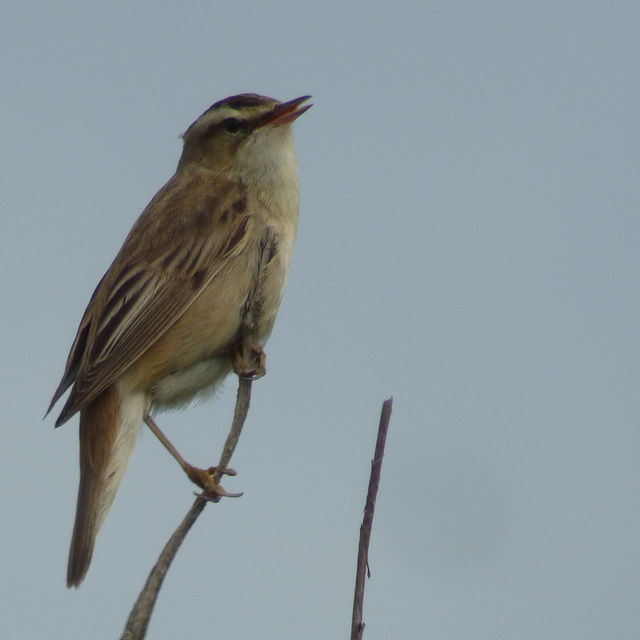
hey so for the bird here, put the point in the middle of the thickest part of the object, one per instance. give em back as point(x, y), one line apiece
point(165, 324)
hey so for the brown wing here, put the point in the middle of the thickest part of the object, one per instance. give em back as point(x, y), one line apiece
point(182, 240)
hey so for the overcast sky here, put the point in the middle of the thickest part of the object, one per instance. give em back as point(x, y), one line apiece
point(468, 243)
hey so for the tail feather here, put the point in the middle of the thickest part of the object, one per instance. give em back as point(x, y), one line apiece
point(108, 429)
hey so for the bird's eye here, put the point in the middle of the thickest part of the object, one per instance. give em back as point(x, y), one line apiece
point(233, 126)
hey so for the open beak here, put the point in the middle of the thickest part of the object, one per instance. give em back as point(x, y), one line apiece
point(287, 112)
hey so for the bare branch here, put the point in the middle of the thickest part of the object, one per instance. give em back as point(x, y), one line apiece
point(140, 615)
point(362, 571)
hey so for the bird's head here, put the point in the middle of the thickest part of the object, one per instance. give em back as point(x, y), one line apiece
point(244, 136)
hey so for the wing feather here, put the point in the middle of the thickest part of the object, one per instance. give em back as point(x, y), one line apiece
point(180, 243)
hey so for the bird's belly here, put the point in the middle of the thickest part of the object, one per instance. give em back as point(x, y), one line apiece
point(183, 385)
point(193, 357)
point(194, 353)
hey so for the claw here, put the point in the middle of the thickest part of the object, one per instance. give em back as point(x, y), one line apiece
point(212, 491)
point(216, 494)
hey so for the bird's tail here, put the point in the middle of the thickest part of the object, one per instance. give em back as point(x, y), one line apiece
point(108, 429)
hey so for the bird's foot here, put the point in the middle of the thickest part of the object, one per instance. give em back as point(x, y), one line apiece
point(204, 478)
point(252, 371)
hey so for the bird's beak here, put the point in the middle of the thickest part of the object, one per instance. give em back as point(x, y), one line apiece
point(286, 112)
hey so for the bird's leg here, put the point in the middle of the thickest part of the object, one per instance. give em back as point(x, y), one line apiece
point(240, 366)
point(202, 477)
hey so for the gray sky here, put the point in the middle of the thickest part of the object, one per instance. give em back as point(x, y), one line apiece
point(468, 243)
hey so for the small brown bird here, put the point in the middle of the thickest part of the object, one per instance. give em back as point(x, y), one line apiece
point(164, 324)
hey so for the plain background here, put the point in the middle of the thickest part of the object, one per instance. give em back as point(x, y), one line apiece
point(468, 243)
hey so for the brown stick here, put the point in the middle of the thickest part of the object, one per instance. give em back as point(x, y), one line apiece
point(362, 571)
point(138, 621)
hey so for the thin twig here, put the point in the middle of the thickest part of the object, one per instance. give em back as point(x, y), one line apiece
point(140, 615)
point(362, 571)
